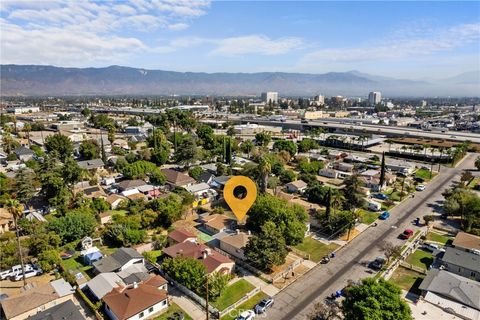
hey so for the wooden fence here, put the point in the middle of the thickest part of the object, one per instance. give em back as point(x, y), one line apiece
point(239, 302)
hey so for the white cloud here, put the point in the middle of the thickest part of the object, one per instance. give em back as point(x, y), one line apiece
point(256, 44)
point(401, 47)
point(86, 32)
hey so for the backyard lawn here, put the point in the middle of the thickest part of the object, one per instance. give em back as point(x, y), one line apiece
point(232, 294)
point(315, 249)
point(407, 279)
point(247, 305)
point(171, 310)
point(421, 259)
point(433, 236)
point(73, 263)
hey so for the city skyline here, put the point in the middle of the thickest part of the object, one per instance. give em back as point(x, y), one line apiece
point(415, 40)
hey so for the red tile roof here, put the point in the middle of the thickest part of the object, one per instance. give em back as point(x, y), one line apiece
point(180, 235)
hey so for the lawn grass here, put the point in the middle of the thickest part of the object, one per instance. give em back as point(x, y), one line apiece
point(424, 174)
point(386, 208)
point(407, 279)
point(172, 308)
point(473, 183)
point(436, 237)
point(421, 259)
point(233, 293)
point(74, 263)
point(121, 213)
point(367, 217)
point(247, 305)
point(315, 249)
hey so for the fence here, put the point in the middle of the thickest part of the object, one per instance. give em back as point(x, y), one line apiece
point(412, 267)
point(290, 268)
point(240, 264)
point(239, 302)
point(302, 254)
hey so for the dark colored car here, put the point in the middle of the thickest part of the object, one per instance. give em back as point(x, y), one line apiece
point(378, 263)
point(380, 196)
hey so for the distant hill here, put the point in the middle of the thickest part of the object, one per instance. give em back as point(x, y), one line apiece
point(37, 80)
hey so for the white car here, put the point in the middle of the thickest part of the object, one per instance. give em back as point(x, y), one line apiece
point(420, 187)
point(6, 274)
point(28, 274)
point(246, 315)
point(431, 247)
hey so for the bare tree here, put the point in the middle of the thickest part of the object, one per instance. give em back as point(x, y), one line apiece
point(326, 311)
point(391, 251)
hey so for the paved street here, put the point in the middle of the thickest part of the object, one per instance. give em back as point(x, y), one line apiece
point(295, 301)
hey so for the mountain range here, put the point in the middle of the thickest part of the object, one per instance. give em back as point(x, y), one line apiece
point(39, 80)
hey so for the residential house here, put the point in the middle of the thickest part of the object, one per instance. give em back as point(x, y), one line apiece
point(103, 283)
point(119, 260)
point(137, 301)
point(461, 262)
point(235, 243)
point(114, 200)
point(202, 192)
point(94, 164)
point(453, 293)
point(6, 220)
point(65, 310)
point(467, 242)
point(94, 192)
point(209, 167)
point(181, 235)
point(23, 153)
point(121, 143)
point(37, 299)
point(212, 260)
point(206, 177)
point(344, 167)
point(216, 223)
point(298, 186)
point(219, 182)
point(126, 185)
point(177, 179)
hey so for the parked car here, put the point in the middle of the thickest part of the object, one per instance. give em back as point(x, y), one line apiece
point(246, 315)
point(378, 263)
point(304, 121)
point(374, 206)
point(420, 187)
point(3, 296)
point(380, 196)
point(18, 269)
point(384, 215)
point(28, 274)
point(431, 247)
point(407, 234)
point(5, 274)
point(263, 305)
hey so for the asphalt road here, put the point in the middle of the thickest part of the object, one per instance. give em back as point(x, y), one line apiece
point(296, 301)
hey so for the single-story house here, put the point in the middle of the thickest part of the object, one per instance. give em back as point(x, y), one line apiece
point(126, 185)
point(93, 164)
point(216, 223)
point(177, 179)
point(467, 241)
point(37, 299)
point(206, 177)
point(212, 260)
point(119, 260)
point(234, 244)
point(23, 153)
point(65, 310)
point(103, 283)
point(94, 192)
point(219, 182)
point(345, 167)
point(136, 301)
point(453, 293)
point(181, 235)
point(298, 186)
point(461, 262)
point(328, 173)
point(114, 200)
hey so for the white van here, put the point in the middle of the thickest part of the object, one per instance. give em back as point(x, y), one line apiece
point(374, 206)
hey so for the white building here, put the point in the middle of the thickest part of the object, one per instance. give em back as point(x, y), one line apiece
point(22, 110)
point(270, 96)
point(374, 97)
point(319, 100)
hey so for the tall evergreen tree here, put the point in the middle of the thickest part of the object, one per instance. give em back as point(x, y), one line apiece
point(382, 171)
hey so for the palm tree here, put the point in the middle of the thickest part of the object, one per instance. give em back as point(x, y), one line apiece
point(27, 128)
point(264, 169)
point(337, 200)
point(15, 209)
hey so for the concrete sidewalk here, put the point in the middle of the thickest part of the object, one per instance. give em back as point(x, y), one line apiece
point(190, 307)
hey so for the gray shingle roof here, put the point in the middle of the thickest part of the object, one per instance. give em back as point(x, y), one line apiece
point(66, 310)
point(453, 287)
point(462, 258)
point(21, 151)
point(104, 283)
point(91, 164)
point(116, 260)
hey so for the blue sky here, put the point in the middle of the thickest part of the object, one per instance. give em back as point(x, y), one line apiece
point(407, 39)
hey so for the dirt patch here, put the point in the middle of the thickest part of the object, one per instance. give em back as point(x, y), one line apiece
point(353, 234)
point(14, 288)
point(432, 142)
point(290, 277)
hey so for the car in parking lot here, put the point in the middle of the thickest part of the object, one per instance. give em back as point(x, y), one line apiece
point(406, 234)
point(384, 215)
point(246, 315)
point(420, 187)
point(263, 305)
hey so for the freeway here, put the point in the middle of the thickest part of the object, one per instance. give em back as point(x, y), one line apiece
point(456, 136)
point(296, 301)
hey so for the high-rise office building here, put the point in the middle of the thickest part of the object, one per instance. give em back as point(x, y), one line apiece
point(319, 100)
point(374, 98)
point(270, 96)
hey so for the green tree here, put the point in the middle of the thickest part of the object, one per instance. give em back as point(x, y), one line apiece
point(195, 172)
point(375, 300)
point(99, 205)
point(217, 283)
point(188, 271)
point(205, 134)
point(16, 210)
point(89, 149)
point(264, 169)
point(24, 186)
point(75, 225)
point(307, 144)
point(289, 218)
point(286, 145)
point(61, 145)
point(263, 139)
point(382, 171)
point(169, 209)
point(287, 176)
point(70, 171)
point(187, 152)
point(49, 260)
point(353, 192)
point(247, 147)
point(267, 248)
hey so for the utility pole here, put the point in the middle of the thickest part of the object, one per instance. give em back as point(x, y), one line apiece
point(206, 285)
point(401, 192)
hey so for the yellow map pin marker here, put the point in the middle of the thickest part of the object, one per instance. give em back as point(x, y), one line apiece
point(240, 193)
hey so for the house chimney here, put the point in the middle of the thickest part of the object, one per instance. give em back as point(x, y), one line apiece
point(204, 254)
point(238, 231)
point(135, 285)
